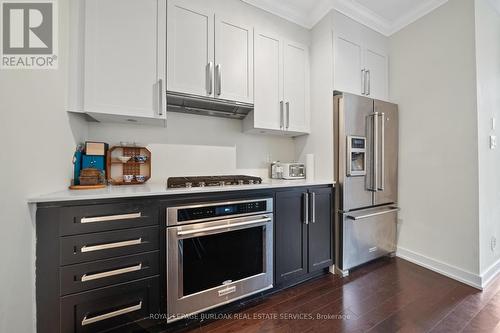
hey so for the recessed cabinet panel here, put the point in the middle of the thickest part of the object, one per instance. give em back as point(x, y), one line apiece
point(296, 87)
point(348, 66)
point(233, 60)
point(190, 38)
point(291, 236)
point(377, 65)
point(124, 62)
point(268, 81)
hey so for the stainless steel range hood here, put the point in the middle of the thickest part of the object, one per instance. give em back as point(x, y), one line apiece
point(206, 106)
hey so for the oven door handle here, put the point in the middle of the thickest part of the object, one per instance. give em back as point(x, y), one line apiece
point(220, 227)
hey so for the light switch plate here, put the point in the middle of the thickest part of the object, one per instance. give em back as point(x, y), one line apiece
point(493, 142)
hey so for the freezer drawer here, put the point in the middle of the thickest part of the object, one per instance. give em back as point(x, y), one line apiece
point(367, 234)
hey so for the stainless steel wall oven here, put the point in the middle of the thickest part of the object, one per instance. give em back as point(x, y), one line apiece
point(217, 253)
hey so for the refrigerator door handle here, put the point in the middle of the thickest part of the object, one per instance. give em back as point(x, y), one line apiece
point(382, 153)
point(362, 217)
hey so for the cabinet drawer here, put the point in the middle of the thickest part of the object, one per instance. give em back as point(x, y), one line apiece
point(108, 308)
point(87, 219)
point(81, 277)
point(102, 245)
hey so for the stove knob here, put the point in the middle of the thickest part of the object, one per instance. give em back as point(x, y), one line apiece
point(250, 182)
point(189, 185)
point(222, 183)
point(241, 182)
point(201, 184)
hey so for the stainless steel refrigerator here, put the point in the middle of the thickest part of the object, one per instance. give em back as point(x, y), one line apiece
point(366, 172)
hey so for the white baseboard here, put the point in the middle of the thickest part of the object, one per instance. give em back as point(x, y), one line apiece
point(437, 266)
point(490, 274)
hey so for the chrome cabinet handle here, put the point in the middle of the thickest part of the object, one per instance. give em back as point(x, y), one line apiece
point(91, 320)
point(108, 246)
point(110, 218)
point(114, 272)
point(287, 115)
point(210, 75)
point(356, 218)
point(382, 152)
point(281, 115)
point(363, 80)
point(305, 203)
point(313, 207)
point(160, 97)
point(375, 151)
point(218, 73)
point(368, 79)
point(220, 227)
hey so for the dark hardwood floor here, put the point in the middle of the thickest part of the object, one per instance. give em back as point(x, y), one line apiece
point(390, 295)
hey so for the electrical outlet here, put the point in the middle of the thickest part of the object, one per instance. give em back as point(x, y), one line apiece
point(493, 243)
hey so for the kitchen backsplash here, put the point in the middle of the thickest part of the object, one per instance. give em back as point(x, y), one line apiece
point(194, 145)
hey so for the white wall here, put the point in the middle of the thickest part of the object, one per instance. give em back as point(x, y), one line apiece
point(38, 140)
point(211, 145)
point(488, 105)
point(433, 79)
point(198, 145)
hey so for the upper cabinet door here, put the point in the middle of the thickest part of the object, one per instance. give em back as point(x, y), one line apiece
point(377, 66)
point(268, 111)
point(190, 40)
point(233, 60)
point(296, 87)
point(348, 65)
point(124, 62)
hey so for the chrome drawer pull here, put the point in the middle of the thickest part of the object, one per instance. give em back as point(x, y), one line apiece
point(103, 275)
point(356, 218)
point(91, 320)
point(225, 226)
point(110, 218)
point(108, 246)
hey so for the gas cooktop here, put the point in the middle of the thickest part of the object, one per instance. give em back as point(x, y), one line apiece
point(202, 181)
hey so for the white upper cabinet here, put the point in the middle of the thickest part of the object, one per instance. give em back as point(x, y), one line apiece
point(296, 87)
point(124, 67)
point(360, 59)
point(281, 87)
point(208, 55)
point(377, 76)
point(268, 106)
point(233, 60)
point(348, 64)
point(190, 58)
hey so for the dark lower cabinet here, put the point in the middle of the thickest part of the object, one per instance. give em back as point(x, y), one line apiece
point(109, 308)
point(320, 231)
point(290, 236)
point(303, 233)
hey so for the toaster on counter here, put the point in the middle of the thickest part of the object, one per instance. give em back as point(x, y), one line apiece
point(294, 170)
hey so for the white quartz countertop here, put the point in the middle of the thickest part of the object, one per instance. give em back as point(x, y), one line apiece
point(156, 189)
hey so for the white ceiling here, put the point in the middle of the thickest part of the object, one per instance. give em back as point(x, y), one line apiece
point(384, 16)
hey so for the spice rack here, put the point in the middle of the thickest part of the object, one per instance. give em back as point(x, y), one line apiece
point(116, 169)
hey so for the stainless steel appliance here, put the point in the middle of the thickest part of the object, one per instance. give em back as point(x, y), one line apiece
point(202, 181)
point(207, 106)
point(217, 253)
point(294, 170)
point(366, 172)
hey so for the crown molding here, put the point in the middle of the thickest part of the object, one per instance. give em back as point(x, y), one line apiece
point(425, 8)
point(350, 8)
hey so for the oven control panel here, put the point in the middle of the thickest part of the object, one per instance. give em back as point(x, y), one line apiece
point(221, 210)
